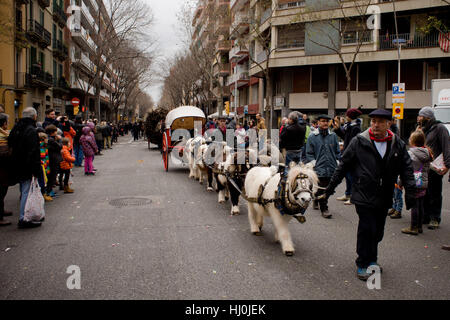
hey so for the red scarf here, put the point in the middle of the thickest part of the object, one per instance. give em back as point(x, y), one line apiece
point(385, 139)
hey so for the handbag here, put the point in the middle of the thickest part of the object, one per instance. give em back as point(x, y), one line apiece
point(418, 176)
point(34, 206)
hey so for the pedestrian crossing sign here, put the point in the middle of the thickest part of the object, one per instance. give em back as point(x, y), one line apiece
point(397, 111)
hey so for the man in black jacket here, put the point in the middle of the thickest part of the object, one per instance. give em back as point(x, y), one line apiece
point(292, 138)
point(54, 154)
point(347, 132)
point(26, 158)
point(50, 118)
point(437, 138)
point(375, 158)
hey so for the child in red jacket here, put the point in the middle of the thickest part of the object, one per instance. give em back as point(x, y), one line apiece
point(66, 165)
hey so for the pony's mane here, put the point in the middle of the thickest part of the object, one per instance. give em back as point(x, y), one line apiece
point(305, 169)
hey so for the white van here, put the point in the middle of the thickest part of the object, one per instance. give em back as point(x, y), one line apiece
point(440, 92)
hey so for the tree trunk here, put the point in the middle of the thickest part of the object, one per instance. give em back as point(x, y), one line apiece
point(267, 110)
point(348, 88)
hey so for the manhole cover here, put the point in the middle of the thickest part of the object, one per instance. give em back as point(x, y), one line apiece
point(125, 202)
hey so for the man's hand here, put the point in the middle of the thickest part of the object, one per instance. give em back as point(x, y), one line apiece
point(443, 171)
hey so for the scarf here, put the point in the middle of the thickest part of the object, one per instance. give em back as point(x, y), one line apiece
point(385, 139)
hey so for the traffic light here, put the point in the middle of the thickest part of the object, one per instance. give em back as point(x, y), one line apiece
point(227, 107)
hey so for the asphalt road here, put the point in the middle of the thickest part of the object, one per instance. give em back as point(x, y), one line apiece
point(171, 240)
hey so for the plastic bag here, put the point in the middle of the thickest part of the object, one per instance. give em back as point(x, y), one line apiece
point(34, 207)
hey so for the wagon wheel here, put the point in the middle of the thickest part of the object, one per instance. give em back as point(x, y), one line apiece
point(165, 151)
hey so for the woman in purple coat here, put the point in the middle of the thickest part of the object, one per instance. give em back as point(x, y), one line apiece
point(89, 147)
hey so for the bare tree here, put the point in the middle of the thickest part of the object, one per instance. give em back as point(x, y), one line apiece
point(346, 24)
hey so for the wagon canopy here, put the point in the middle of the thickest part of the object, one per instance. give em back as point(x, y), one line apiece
point(184, 117)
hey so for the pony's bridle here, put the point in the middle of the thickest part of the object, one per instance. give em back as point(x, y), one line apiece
point(303, 187)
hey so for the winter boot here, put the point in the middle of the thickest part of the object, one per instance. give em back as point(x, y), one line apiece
point(68, 190)
point(396, 215)
point(47, 198)
point(411, 230)
point(391, 211)
point(343, 198)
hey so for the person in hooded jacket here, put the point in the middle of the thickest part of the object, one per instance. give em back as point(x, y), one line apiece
point(54, 146)
point(421, 158)
point(437, 138)
point(89, 146)
point(78, 151)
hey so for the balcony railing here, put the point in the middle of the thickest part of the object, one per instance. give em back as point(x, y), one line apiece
point(38, 33)
point(261, 57)
point(292, 4)
point(60, 49)
point(58, 14)
point(408, 41)
point(60, 84)
point(223, 45)
point(87, 14)
point(354, 37)
point(40, 78)
point(289, 44)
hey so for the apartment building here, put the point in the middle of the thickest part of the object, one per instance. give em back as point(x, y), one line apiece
point(85, 38)
point(310, 78)
point(211, 23)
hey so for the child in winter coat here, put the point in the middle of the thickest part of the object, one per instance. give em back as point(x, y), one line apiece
point(421, 158)
point(45, 162)
point(89, 150)
point(66, 165)
point(54, 153)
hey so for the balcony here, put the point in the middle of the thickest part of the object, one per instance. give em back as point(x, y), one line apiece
point(238, 53)
point(59, 15)
point(44, 3)
point(265, 15)
point(87, 15)
point(36, 32)
point(60, 50)
point(39, 78)
point(223, 46)
point(82, 61)
point(83, 39)
point(222, 69)
point(239, 78)
point(240, 25)
point(81, 85)
point(261, 57)
point(222, 27)
point(104, 94)
point(60, 85)
point(408, 42)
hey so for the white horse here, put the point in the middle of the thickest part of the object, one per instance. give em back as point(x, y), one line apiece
point(192, 151)
point(261, 183)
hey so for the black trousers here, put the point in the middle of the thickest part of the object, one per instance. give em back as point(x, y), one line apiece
point(370, 233)
point(433, 198)
point(3, 192)
point(417, 213)
point(66, 174)
point(51, 178)
point(323, 183)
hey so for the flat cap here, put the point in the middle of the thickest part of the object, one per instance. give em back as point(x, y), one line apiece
point(381, 113)
point(323, 116)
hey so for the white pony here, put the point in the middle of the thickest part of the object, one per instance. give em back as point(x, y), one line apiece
point(192, 151)
point(262, 186)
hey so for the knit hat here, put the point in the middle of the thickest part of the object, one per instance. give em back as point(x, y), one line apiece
point(427, 112)
point(353, 113)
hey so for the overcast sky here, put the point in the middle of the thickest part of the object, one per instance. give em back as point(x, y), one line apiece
point(165, 32)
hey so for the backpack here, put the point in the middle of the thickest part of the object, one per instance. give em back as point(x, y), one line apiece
point(418, 176)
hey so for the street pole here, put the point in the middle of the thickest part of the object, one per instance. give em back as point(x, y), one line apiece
point(399, 49)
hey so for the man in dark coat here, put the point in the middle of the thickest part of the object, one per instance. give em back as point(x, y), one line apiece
point(54, 154)
point(323, 148)
point(347, 132)
point(50, 118)
point(292, 138)
point(437, 138)
point(375, 158)
point(26, 158)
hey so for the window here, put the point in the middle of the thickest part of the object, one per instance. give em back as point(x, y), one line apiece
point(368, 77)
point(445, 70)
point(411, 74)
point(354, 31)
point(319, 81)
point(432, 73)
point(301, 80)
point(291, 36)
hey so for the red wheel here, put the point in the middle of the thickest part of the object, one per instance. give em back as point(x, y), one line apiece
point(165, 151)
